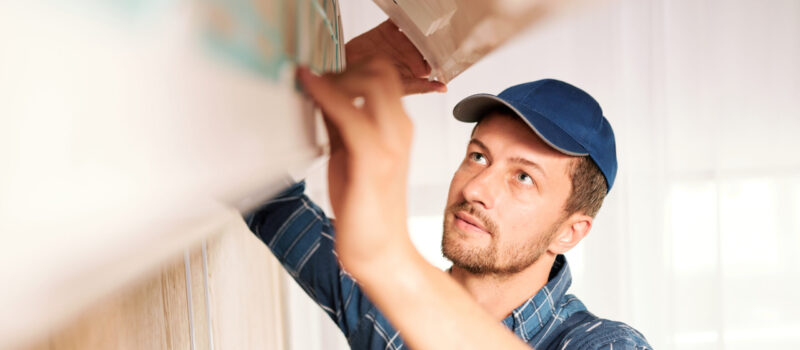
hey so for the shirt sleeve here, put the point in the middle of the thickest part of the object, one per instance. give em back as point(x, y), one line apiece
point(623, 344)
point(301, 237)
point(602, 334)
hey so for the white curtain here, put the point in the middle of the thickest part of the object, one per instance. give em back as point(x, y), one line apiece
point(698, 243)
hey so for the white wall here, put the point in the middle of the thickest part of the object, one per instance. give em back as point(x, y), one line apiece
point(697, 244)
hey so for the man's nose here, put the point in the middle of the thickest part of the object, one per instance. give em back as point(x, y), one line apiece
point(482, 188)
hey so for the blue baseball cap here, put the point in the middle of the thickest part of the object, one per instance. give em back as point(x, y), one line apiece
point(564, 116)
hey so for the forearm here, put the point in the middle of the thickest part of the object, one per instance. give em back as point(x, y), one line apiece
point(428, 307)
point(301, 237)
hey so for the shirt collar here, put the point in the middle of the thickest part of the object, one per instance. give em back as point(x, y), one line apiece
point(530, 317)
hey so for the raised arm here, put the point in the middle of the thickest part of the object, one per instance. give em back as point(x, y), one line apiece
point(367, 177)
point(301, 237)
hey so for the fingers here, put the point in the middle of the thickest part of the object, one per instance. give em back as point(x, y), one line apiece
point(409, 58)
point(388, 23)
point(377, 81)
point(386, 40)
point(348, 121)
point(420, 86)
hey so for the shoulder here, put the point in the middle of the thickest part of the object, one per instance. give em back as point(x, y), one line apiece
point(602, 334)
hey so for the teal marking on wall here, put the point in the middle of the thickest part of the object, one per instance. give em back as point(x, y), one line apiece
point(251, 32)
point(249, 37)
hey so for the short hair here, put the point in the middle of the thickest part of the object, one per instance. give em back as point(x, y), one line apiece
point(588, 187)
point(588, 183)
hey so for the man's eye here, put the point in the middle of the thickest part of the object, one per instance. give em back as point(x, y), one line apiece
point(525, 178)
point(477, 157)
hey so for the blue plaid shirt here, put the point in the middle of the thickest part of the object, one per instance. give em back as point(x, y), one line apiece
point(301, 237)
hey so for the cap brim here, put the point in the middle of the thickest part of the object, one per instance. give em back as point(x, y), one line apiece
point(474, 107)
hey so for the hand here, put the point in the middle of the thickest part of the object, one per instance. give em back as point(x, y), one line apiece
point(388, 41)
point(368, 166)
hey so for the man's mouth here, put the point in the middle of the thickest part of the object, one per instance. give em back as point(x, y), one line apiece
point(469, 223)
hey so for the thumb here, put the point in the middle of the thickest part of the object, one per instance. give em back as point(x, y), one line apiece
point(421, 85)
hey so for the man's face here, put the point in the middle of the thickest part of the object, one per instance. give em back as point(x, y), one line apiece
point(506, 199)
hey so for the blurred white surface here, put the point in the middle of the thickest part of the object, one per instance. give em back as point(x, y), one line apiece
point(123, 140)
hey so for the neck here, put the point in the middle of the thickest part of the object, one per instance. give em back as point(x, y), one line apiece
point(499, 294)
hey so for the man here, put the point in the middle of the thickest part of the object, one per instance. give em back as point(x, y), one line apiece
point(538, 164)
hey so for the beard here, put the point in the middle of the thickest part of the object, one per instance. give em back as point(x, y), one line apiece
point(494, 258)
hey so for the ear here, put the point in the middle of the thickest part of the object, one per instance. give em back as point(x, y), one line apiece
point(570, 232)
